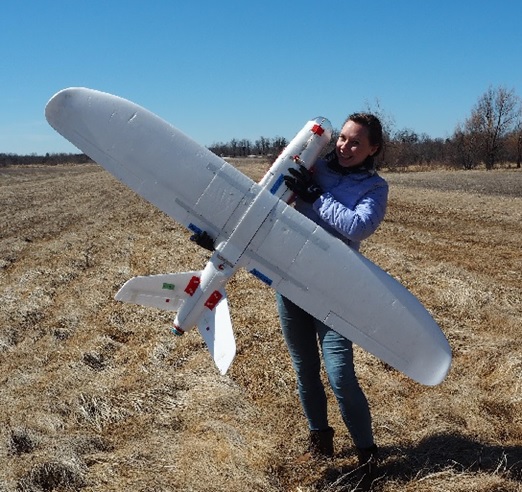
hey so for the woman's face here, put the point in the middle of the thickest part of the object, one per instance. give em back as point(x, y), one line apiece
point(353, 145)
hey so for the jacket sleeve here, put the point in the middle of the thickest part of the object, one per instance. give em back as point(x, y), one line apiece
point(358, 220)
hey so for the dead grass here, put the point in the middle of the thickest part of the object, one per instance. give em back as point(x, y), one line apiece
point(99, 396)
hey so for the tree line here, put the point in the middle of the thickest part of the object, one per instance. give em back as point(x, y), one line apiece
point(491, 134)
point(48, 159)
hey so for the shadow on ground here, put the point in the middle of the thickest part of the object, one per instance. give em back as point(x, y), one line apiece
point(432, 455)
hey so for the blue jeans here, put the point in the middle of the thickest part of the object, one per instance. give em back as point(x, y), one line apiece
point(302, 332)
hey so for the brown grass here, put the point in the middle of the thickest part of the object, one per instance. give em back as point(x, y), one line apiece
point(96, 395)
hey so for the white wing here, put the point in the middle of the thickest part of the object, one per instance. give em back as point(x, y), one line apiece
point(349, 293)
point(183, 179)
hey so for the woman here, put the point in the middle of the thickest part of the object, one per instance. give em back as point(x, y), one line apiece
point(348, 198)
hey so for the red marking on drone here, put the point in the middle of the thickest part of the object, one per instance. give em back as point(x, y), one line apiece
point(192, 286)
point(318, 130)
point(213, 299)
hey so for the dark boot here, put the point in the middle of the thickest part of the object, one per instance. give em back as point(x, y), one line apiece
point(320, 446)
point(321, 443)
point(367, 465)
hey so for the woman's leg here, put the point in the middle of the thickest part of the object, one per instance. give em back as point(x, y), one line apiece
point(338, 359)
point(300, 335)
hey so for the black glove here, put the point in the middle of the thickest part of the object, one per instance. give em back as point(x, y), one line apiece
point(302, 184)
point(204, 240)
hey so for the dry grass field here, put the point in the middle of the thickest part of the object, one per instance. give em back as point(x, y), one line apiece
point(96, 395)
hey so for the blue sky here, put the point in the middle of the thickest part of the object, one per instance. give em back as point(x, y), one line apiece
point(245, 69)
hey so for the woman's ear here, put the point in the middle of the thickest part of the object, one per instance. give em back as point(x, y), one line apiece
point(373, 149)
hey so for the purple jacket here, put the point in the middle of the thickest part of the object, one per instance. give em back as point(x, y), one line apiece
point(352, 205)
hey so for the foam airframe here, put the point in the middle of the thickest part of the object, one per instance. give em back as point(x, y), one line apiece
point(253, 227)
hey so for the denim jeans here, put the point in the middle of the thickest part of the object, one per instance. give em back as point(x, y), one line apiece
point(303, 335)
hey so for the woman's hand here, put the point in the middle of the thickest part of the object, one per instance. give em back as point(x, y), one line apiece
point(303, 185)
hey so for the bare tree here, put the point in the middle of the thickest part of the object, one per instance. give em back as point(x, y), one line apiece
point(518, 138)
point(493, 118)
point(514, 143)
point(262, 146)
point(519, 149)
point(464, 147)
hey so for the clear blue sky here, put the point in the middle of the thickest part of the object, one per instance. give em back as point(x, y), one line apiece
point(227, 69)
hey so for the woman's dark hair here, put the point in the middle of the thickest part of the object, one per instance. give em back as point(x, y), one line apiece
point(373, 125)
